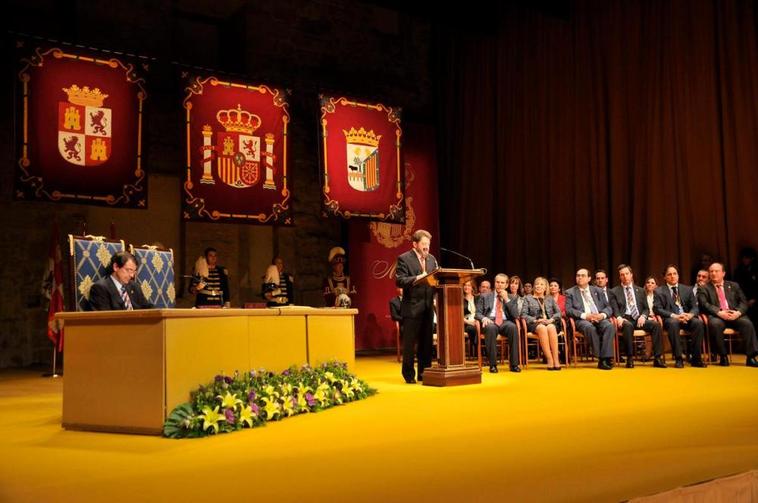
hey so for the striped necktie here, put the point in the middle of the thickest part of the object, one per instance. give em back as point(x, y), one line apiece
point(126, 299)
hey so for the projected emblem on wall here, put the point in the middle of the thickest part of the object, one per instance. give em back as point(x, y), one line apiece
point(361, 160)
point(237, 153)
point(84, 127)
point(80, 129)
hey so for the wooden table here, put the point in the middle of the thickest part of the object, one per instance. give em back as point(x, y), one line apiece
point(125, 371)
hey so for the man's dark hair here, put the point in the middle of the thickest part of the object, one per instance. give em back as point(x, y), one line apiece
point(208, 250)
point(599, 270)
point(120, 259)
point(676, 268)
point(625, 266)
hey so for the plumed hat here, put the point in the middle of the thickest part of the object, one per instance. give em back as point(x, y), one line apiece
point(337, 251)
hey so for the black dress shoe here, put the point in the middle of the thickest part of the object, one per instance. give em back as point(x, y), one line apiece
point(679, 363)
point(698, 363)
point(410, 381)
point(515, 368)
point(603, 365)
point(630, 363)
point(658, 363)
point(750, 362)
point(723, 361)
point(551, 368)
point(557, 368)
point(420, 377)
point(493, 369)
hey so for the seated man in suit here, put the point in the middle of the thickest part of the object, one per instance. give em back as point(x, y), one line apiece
point(725, 305)
point(118, 291)
point(676, 305)
point(586, 304)
point(632, 313)
point(395, 303)
point(484, 287)
point(498, 316)
point(601, 281)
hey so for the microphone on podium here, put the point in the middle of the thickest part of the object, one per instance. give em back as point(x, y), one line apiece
point(460, 255)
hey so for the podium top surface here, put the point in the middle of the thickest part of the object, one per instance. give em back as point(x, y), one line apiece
point(446, 276)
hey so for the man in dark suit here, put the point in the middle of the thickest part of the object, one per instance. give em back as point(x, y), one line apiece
point(396, 306)
point(601, 281)
point(629, 303)
point(591, 312)
point(725, 305)
point(676, 305)
point(498, 315)
point(118, 291)
point(416, 308)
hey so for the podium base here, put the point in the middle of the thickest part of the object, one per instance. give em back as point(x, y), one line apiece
point(457, 376)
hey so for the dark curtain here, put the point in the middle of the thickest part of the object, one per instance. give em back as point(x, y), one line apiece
point(622, 132)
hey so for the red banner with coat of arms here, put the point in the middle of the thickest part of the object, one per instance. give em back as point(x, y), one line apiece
point(361, 159)
point(80, 128)
point(236, 168)
point(374, 247)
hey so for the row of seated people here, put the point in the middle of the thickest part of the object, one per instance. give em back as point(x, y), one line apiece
point(598, 312)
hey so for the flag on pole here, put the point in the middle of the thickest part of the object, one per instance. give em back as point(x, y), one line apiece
point(52, 288)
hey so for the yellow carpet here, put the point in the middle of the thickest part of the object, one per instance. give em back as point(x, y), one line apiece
point(576, 435)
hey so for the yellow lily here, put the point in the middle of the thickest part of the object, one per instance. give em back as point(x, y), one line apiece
point(247, 415)
point(287, 406)
point(302, 403)
point(229, 401)
point(346, 389)
point(271, 408)
point(330, 376)
point(270, 391)
point(286, 389)
point(211, 418)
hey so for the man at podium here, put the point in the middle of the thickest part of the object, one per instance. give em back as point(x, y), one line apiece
point(416, 307)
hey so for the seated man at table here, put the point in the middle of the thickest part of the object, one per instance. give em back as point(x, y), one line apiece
point(118, 291)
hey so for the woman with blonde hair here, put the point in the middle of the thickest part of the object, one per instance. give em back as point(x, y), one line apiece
point(543, 316)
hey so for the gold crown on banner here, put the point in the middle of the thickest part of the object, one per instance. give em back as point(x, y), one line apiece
point(85, 96)
point(362, 137)
point(240, 121)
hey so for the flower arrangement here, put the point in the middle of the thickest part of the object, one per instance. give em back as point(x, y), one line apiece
point(251, 399)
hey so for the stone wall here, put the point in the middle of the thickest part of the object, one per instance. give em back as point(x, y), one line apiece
point(305, 46)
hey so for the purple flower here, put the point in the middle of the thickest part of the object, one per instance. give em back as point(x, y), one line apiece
point(229, 414)
point(309, 398)
point(254, 407)
point(253, 373)
point(218, 378)
point(251, 396)
point(286, 372)
point(294, 402)
point(228, 380)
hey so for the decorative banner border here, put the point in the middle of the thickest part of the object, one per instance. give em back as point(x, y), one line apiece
point(366, 193)
point(251, 163)
point(120, 184)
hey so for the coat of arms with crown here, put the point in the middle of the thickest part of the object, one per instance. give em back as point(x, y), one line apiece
point(84, 127)
point(362, 159)
point(238, 151)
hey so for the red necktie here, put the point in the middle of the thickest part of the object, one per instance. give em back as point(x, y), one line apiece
point(722, 298)
point(498, 311)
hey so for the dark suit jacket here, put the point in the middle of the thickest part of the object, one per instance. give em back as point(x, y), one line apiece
point(486, 302)
point(618, 300)
point(395, 304)
point(709, 298)
point(416, 299)
point(104, 296)
point(531, 310)
point(575, 304)
point(665, 305)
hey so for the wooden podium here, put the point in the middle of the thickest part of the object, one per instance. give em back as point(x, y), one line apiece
point(451, 368)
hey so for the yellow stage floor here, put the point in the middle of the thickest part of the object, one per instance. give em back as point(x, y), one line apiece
point(575, 435)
